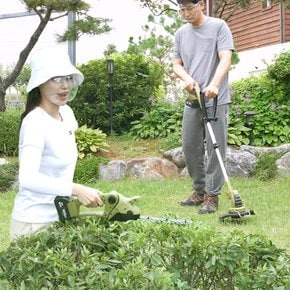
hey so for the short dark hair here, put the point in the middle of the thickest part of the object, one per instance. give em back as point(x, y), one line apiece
point(185, 1)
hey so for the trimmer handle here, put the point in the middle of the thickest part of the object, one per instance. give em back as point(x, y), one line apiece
point(117, 207)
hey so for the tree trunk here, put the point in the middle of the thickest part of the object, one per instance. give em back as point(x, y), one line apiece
point(2, 100)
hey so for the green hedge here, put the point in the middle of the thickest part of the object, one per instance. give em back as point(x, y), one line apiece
point(87, 169)
point(95, 254)
point(9, 128)
point(8, 174)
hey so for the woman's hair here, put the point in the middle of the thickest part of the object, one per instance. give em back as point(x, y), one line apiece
point(33, 100)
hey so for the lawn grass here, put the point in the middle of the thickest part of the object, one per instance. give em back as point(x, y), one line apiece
point(160, 198)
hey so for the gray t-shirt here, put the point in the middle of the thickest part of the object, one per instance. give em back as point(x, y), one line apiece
point(198, 49)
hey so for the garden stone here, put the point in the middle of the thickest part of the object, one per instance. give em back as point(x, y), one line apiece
point(282, 149)
point(152, 168)
point(114, 170)
point(283, 164)
point(239, 163)
point(176, 155)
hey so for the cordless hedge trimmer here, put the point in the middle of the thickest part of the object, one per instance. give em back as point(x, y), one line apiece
point(117, 208)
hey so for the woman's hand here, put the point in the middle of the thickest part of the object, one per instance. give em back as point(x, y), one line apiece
point(89, 197)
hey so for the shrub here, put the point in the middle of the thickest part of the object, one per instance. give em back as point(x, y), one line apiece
point(280, 69)
point(9, 120)
point(266, 168)
point(90, 141)
point(87, 169)
point(135, 83)
point(95, 254)
point(8, 174)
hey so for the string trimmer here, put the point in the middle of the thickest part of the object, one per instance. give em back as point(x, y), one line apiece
point(237, 210)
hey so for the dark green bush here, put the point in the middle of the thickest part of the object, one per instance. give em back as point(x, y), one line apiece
point(8, 173)
point(9, 128)
point(94, 254)
point(280, 69)
point(135, 83)
point(87, 169)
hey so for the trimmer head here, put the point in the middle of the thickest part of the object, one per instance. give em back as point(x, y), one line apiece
point(236, 214)
point(238, 210)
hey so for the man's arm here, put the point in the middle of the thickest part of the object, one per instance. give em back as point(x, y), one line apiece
point(225, 56)
point(178, 68)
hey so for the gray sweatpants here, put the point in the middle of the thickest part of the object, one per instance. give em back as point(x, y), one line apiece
point(204, 176)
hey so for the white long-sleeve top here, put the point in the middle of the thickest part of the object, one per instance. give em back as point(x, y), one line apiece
point(47, 159)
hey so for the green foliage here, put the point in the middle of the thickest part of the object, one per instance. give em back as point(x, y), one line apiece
point(163, 119)
point(87, 169)
point(90, 141)
point(134, 84)
point(8, 173)
point(94, 254)
point(266, 168)
point(280, 69)
point(9, 129)
point(271, 123)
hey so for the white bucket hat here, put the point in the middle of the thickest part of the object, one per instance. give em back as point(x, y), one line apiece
point(50, 62)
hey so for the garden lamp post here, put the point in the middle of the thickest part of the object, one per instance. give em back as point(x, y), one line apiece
point(110, 66)
point(249, 124)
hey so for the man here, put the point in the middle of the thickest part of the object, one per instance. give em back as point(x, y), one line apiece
point(202, 58)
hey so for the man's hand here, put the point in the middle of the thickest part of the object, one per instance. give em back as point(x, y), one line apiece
point(211, 91)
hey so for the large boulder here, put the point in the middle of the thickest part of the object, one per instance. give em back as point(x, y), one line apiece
point(283, 164)
point(152, 168)
point(114, 170)
point(239, 163)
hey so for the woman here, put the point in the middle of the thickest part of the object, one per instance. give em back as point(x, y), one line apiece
point(47, 147)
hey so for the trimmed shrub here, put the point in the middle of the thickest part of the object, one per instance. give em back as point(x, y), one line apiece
point(8, 174)
point(96, 254)
point(87, 169)
point(9, 129)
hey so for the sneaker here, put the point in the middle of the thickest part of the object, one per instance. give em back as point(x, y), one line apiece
point(195, 199)
point(210, 204)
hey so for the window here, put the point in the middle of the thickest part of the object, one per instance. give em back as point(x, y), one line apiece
point(266, 4)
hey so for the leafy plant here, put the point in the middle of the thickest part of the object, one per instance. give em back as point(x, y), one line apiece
point(280, 69)
point(87, 169)
point(271, 124)
point(90, 141)
point(95, 254)
point(266, 168)
point(163, 119)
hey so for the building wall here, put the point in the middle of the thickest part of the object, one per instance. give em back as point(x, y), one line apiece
point(257, 26)
point(286, 18)
point(260, 35)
